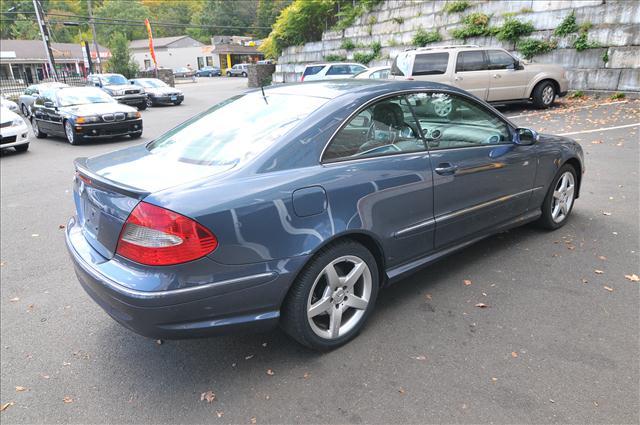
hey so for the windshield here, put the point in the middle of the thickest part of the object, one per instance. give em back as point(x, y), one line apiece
point(235, 130)
point(401, 65)
point(111, 80)
point(82, 96)
point(150, 83)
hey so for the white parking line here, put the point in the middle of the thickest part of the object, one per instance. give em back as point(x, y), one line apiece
point(567, 109)
point(595, 130)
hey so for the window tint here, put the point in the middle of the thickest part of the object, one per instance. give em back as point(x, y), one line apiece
point(448, 121)
point(470, 61)
point(430, 64)
point(313, 70)
point(385, 128)
point(251, 124)
point(500, 60)
point(356, 68)
point(339, 70)
point(380, 75)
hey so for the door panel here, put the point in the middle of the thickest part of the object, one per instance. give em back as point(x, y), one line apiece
point(506, 82)
point(471, 73)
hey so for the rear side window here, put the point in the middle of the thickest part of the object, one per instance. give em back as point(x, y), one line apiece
point(401, 65)
point(471, 61)
point(339, 70)
point(500, 60)
point(356, 68)
point(312, 70)
point(430, 64)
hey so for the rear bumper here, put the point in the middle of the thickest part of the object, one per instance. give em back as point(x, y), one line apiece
point(109, 130)
point(249, 302)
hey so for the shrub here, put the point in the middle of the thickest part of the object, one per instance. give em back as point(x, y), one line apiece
point(526, 10)
point(422, 37)
point(335, 58)
point(474, 25)
point(617, 95)
point(582, 43)
point(376, 47)
point(567, 26)
point(364, 58)
point(457, 6)
point(347, 44)
point(512, 30)
point(399, 20)
point(605, 56)
point(530, 47)
point(578, 94)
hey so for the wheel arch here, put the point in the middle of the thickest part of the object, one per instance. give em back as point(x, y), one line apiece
point(556, 85)
point(575, 163)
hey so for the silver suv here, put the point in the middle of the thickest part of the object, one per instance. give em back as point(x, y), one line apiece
point(241, 69)
point(492, 74)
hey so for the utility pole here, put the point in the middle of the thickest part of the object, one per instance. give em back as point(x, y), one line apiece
point(44, 31)
point(95, 37)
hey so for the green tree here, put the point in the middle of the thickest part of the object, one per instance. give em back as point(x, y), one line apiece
point(218, 14)
point(267, 12)
point(24, 29)
point(128, 10)
point(120, 61)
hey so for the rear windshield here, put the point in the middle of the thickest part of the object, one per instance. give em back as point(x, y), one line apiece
point(430, 64)
point(234, 130)
point(312, 70)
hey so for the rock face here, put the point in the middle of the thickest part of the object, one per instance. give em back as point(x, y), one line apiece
point(615, 29)
point(260, 74)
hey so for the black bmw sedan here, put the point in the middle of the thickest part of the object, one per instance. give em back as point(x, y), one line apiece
point(83, 113)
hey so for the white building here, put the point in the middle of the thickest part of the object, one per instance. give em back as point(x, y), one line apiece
point(173, 52)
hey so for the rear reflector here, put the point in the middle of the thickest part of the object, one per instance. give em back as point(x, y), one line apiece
point(158, 237)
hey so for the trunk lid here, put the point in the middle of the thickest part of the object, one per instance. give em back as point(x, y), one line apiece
point(108, 187)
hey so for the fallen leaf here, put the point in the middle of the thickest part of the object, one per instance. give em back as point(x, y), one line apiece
point(401, 390)
point(306, 375)
point(584, 280)
point(606, 213)
point(4, 406)
point(14, 299)
point(159, 341)
point(632, 277)
point(421, 358)
point(597, 142)
point(608, 288)
point(249, 357)
point(66, 364)
point(207, 396)
point(429, 297)
point(67, 399)
point(467, 282)
point(253, 420)
point(596, 271)
point(514, 354)
point(602, 257)
point(20, 389)
point(45, 376)
point(494, 379)
point(34, 235)
point(264, 344)
point(270, 372)
point(482, 305)
point(552, 401)
point(219, 413)
point(61, 226)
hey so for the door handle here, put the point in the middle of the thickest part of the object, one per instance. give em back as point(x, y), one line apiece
point(496, 76)
point(446, 168)
point(457, 79)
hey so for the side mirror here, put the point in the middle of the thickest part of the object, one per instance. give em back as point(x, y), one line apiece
point(518, 65)
point(97, 84)
point(48, 104)
point(525, 136)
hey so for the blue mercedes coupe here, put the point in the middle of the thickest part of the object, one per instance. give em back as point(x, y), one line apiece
point(294, 205)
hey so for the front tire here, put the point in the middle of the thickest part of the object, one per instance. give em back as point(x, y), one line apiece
point(25, 110)
point(228, 74)
point(558, 203)
point(72, 137)
point(149, 102)
point(544, 94)
point(142, 106)
point(36, 129)
point(330, 301)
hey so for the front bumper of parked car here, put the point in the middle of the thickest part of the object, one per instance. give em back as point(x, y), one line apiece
point(132, 99)
point(109, 129)
point(14, 136)
point(246, 298)
point(166, 98)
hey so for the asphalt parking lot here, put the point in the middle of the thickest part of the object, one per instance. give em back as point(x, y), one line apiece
point(558, 342)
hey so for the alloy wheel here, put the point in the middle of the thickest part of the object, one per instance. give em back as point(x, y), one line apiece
point(563, 197)
point(339, 297)
point(442, 107)
point(69, 132)
point(548, 94)
point(149, 102)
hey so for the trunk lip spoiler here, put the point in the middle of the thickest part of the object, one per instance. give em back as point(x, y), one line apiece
point(105, 183)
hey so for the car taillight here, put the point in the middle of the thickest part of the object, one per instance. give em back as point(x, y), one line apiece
point(158, 237)
point(302, 79)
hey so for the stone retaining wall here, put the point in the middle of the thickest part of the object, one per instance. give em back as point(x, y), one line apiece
point(615, 27)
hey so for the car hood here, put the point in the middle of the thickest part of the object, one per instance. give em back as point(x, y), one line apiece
point(162, 90)
point(122, 87)
point(6, 115)
point(543, 67)
point(137, 168)
point(97, 109)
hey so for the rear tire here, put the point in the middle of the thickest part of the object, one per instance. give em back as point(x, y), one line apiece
point(324, 309)
point(244, 74)
point(544, 94)
point(36, 129)
point(22, 148)
point(560, 198)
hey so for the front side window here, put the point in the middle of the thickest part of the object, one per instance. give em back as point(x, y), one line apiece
point(312, 70)
point(430, 64)
point(383, 74)
point(449, 121)
point(113, 80)
point(500, 60)
point(234, 130)
point(385, 128)
point(471, 61)
point(339, 70)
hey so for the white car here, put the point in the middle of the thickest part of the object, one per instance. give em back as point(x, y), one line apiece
point(8, 104)
point(14, 132)
point(331, 71)
point(375, 73)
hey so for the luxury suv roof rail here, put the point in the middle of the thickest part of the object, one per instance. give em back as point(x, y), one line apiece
point(453, 46)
